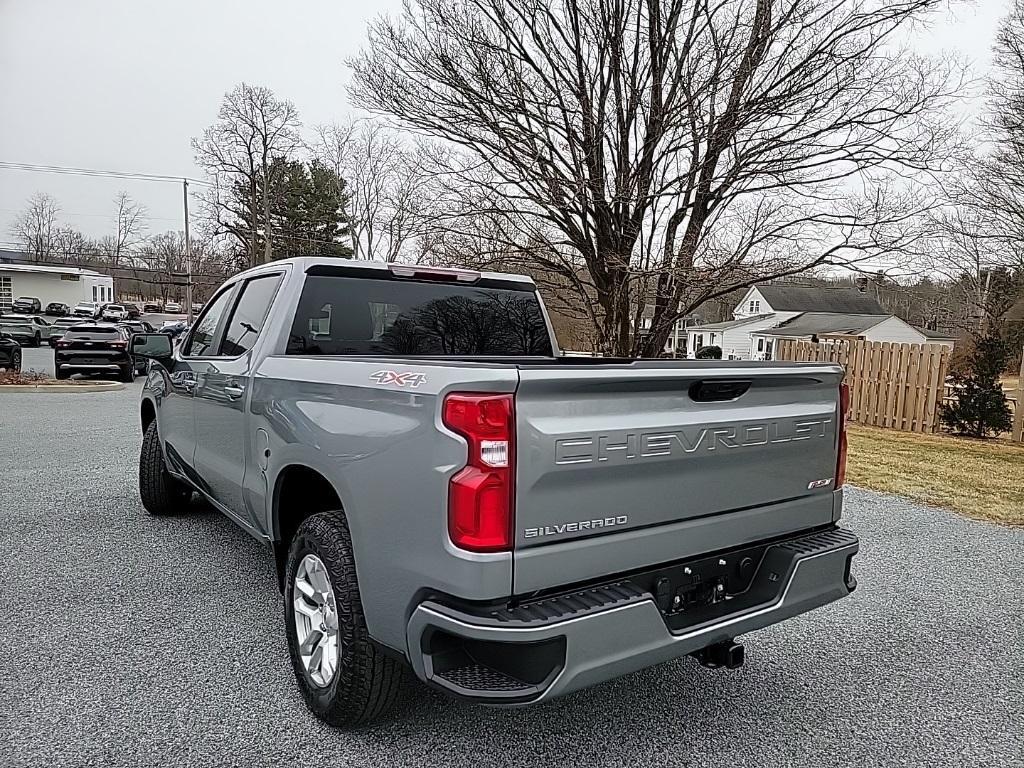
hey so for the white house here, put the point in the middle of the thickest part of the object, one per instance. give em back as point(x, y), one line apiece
point(67, 285)
point(783, 310)
point(822, 326)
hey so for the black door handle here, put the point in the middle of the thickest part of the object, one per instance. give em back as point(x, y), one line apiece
point(718, 390)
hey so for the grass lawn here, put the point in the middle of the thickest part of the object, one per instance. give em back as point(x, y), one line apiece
point(980, 478)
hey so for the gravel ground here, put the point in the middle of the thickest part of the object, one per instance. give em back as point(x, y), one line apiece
point(135, 641)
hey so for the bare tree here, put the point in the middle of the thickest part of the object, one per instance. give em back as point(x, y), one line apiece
point(999, 182)
point(70, 245)
point(253, 128)
point(977, 262)
point(130, 224)
point(36, 227)
point(387, 177)
point(670, 151)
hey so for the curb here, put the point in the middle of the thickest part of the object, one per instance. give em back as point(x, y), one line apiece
point(100, 386)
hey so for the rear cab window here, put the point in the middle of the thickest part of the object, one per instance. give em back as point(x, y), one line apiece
point(346, 315)
point(94, 334)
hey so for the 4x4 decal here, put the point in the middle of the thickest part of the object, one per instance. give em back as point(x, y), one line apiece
point(401, 379)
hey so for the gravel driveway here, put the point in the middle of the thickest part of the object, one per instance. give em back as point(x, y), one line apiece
point(128, 640)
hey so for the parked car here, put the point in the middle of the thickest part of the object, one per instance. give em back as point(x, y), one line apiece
point(26, 305)
point(56, 309)
point(133, 310)
point(94, 348)
point(88, 309)
point(524, 524)
point(174, 328)
point(10, 352)
point(137, 326)
point(114, 313)
point(26, 334)
point(152, 307)
point(172, 308)
point(60, 327)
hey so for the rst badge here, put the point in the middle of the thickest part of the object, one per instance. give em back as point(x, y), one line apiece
point(399, 378)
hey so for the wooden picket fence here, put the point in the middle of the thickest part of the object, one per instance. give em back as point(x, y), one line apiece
point(897, 386)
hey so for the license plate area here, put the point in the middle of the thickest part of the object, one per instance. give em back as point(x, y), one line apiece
point(693, 588)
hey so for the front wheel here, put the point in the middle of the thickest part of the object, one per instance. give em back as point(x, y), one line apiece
point(345, 679)
point(161, 493)
point(16, 361)
point(127, 373)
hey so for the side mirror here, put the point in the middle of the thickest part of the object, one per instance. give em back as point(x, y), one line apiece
point(156, 346)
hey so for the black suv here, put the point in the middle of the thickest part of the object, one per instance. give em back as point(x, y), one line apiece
point(94, 349)
point(10, 353)
point(26, 305)
point(57, 309)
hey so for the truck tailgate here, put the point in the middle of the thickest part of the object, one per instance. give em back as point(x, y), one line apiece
point(627, 466)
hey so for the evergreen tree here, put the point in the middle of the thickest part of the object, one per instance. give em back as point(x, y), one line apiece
point(980, 408)
point(307, 210)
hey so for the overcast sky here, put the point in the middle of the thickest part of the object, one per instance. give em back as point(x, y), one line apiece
point(125, 84)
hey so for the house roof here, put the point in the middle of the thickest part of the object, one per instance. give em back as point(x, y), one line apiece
point(48, 270)
point(938, 335)
point(804, 298)
point(727, 324)
point(820, 323)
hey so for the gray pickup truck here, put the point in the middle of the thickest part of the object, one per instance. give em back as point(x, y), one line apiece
point(442, 490)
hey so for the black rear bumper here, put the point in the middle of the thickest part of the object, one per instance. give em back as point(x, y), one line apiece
point(547, 647)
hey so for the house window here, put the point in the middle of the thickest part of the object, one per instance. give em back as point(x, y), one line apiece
point(768, 351)
point(6, 294)
point(698, 342)
point(95, 294)
point(668, 344)
point(760, 345)
point(755, 306)
point(712, 337)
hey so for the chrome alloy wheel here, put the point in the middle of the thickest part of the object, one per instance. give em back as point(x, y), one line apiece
point(316, 620)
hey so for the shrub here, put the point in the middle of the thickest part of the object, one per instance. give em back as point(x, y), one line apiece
point(709, 353)
point(980, 409)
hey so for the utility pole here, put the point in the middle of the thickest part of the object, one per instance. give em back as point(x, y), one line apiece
point(188, 257)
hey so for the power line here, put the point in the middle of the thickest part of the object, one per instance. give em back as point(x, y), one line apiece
point(95, 215)
point(68, 170)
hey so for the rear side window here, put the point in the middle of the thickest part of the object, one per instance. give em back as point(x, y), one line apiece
point(340, 315)
point(250, 313)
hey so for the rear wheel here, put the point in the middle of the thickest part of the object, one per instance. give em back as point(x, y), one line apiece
point(60, 374)
point(128, 373)
point(344, 678)
point(16, 361)
point(161, 494)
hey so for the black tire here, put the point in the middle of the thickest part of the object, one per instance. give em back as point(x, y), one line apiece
point(16, 361)
point(38, 341)
point(366, 682)
point(161, 494)
point(128, 374)
point(59, 374)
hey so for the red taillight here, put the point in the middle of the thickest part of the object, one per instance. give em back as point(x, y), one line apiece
point(63, 343)
point(480, 496)
point(844, 408)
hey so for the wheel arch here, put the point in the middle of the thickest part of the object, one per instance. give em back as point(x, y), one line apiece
point(147, 413)
point(300, 491)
